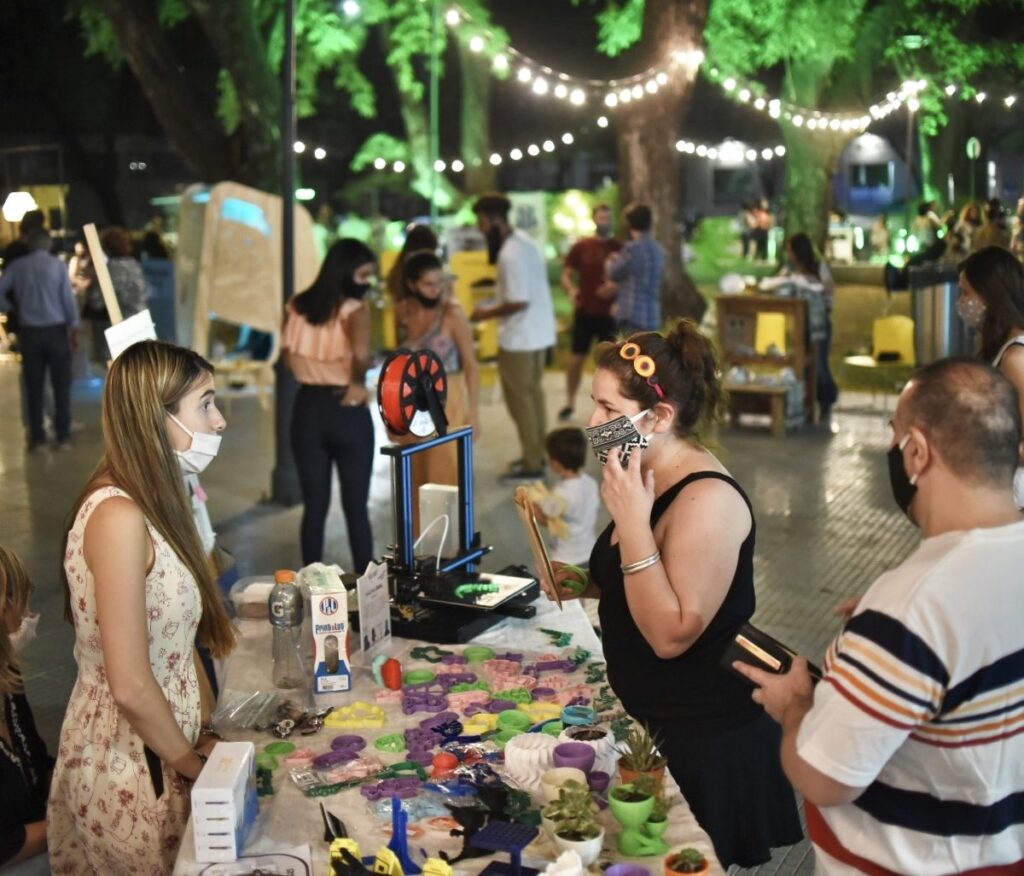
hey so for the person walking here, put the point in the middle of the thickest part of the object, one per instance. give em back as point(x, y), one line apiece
point(526, 330)
point(125, 271)
point(592, 296)
point(637, 270)
point(326, 345)
point(48, 334)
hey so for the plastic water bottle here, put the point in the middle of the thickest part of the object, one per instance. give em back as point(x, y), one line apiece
point(285, 605)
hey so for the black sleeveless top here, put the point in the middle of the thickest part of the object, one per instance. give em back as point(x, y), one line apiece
point(691, 688)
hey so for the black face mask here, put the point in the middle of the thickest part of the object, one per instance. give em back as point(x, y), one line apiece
point(903, 487)
point(424, 300)
point(494, 242)
point(356, 290)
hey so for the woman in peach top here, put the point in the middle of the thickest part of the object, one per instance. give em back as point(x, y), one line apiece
point(326, 345)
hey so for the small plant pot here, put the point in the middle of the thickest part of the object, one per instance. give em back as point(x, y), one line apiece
point(629, 812)
point(670, 864)
point(657, 828)
point(587, 849)
point(598, 781)
point(574, 754)
point(629, 776)
point(627, 870)
point(605, 753)
point(552, 780)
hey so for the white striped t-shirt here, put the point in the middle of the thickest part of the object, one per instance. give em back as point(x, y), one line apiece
point(922, 705)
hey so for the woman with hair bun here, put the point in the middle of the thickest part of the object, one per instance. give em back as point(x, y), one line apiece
point(141, 591)
point(674, 575)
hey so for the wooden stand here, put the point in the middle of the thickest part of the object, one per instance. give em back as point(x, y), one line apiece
point(737, 327)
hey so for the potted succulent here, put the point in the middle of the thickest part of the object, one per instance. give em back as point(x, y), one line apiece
point(686, 861)
point(639, 754)
point(657, 823)
point(573, 818)
point(632, 807)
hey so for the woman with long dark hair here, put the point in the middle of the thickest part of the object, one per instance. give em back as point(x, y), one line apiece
point(992, 301)
point(141, 592)
point(326, 345)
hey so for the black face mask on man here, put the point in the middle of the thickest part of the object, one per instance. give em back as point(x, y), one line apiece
point(494, 242)
point(903, 486)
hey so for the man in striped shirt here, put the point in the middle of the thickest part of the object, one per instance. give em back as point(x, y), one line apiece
point(910, 753)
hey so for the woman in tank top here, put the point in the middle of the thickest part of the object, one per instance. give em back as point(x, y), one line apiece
point(992, 301)
point(674, 575)
point(431, 319)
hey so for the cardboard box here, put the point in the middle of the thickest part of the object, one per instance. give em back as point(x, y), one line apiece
point(328, 602)
point(224, 802)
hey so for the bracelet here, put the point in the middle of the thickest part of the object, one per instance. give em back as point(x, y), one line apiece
point(640, 565)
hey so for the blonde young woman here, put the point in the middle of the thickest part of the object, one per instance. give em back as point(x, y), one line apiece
point(141, 591)
point(25, 765)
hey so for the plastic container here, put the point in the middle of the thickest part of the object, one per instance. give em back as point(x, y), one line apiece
point(249, 596)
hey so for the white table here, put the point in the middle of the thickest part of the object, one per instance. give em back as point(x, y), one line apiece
point(289, 818)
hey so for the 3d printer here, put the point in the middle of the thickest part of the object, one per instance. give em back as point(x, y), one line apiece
point(438, 599)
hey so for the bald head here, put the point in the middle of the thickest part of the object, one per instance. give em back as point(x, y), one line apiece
point(971, 416)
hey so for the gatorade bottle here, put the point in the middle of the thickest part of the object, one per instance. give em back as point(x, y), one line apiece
point(285, 607)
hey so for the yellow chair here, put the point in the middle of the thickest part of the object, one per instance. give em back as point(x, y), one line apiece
point(470, 269)
point(387, 261)
point(894, 334)
point(771, 329)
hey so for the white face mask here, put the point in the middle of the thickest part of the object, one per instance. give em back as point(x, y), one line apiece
point(971, 311)
point(24, 635)
point(201, 451)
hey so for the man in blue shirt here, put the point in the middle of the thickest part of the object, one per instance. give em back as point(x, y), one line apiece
point(637, 270)
point(47, 333)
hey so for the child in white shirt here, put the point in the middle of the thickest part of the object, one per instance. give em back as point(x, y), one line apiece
point(569, 509)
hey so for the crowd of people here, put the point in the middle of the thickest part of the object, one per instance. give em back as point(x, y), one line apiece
point(908, 752)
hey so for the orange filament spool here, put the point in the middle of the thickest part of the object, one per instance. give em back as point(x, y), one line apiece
point(410, 385)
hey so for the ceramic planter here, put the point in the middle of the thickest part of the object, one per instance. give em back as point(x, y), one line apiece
point(605, 754)
point(527, 758)
point(552, 780)
point(574, 754)
point(588, 849)
point(629, 776)
point(635, 840)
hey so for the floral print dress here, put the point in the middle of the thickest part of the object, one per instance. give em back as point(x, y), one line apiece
point(108, 813)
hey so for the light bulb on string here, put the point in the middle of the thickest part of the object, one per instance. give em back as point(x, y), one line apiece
point(451, 17)
point(524, 74)
point(516, 154)
point(439, 166)
point(500, 62)
point(567, 139)
point(379, 164)
point(495, 159)
point(548, 146)
point(602, 121)
point(577, 97)
point(457, 166)
point(476, 44)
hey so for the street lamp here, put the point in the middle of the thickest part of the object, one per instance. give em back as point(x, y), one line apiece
point(17, 205)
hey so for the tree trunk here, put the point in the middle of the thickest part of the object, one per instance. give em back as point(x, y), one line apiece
point(232, 31)
point(811, 156)
point(649, 163)
point(475, 140)
point(811, 160)
point(195, 135)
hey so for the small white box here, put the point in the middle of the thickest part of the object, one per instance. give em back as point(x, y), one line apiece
point(224, 802)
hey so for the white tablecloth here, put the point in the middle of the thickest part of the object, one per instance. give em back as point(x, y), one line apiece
point(289, 818)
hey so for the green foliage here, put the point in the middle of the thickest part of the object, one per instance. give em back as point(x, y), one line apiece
point(228, 110)
point(380, 146)
point(620, 24)
point(652, 787)
point(573, 812)
point(639, 750)
point(745, 36)
point(687, 860)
